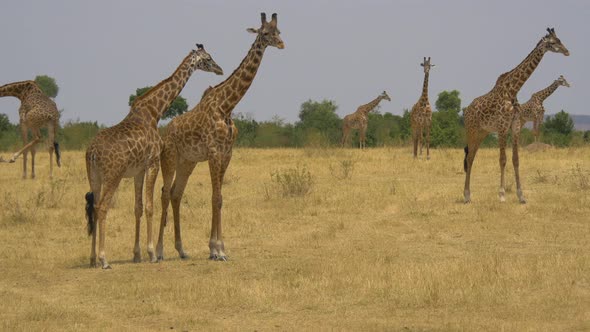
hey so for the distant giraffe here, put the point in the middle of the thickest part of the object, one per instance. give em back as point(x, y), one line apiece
point(498, 111)
point(360, 120)
point(36, 111)
point(421, 115)
point(132, 149)
point(533, 109)
point(207, 133)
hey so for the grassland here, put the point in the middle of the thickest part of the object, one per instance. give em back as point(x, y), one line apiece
point(390, 247)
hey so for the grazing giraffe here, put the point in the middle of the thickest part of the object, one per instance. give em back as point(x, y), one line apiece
point(498, 111)
point(207, 133)
point(421, 115)
point(533, 109)
point(360, 119)
point(36, 111)
point(132, 149)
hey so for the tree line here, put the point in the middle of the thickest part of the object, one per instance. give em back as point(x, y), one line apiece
point(318, 126)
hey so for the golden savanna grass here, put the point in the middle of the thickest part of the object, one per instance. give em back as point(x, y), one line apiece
point(380, 242)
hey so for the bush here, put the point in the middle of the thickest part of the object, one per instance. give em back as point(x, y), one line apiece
point(292, 182)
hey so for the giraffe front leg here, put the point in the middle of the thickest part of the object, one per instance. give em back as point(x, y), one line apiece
point(428, 142)
point(515, 163)
point(138, 182)
point(217, 167)
point(33, 152)
point(167, 176)
point(502, 143)
point(151, 176)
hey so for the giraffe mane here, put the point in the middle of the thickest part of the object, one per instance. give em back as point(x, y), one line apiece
point(166, 80)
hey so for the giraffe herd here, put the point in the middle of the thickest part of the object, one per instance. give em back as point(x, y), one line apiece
point(134, 147)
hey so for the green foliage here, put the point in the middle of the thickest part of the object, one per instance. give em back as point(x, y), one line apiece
point(77, 135)
point(178, 106)
point(47, 85)
point(446, 123)
point(558, 129)
point(318, 118)
point(247, 128)
point(5, 124)
point(587, 136)
point(448, 100)
point(274, 133)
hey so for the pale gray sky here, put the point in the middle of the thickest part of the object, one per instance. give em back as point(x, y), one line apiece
point(349, 51)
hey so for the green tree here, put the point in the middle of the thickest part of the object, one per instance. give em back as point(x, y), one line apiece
point(318, 118)
point(558, 129)
point(47, 85)
point(178, 106)
point(448, 100)
point(446, 122)
point(247, 128)
point(5, 124)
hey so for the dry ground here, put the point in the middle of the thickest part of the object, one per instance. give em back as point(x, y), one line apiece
point(392, 248)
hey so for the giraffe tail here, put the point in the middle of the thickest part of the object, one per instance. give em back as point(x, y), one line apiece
point(466, 149)
point(90, 212)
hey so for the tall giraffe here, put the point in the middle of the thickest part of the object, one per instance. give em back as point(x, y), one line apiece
point(498, 111)
point(36, 111)
point(132, 149)
point(360, 119)
point(207, 133)
point(533, 109)
point(421, 114)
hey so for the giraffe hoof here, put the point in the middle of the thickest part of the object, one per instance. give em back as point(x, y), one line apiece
point(219, 258)
point(160, 258)
point(522, 201)
point(137, 258)
point(183, 256)
point(107, 267)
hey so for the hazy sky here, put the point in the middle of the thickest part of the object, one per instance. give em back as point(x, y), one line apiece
point(348, 51)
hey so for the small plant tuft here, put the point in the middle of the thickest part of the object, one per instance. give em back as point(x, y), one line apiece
point(343, 170)
point(292, 182)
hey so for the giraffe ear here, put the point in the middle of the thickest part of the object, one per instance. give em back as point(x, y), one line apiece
point(422, 64)
point(252, 30)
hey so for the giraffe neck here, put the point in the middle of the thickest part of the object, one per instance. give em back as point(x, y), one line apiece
point(511, 82)
point(545, 93)
point(236, 85)
point(425, 87)
point(19, 90)
point(152, 105)
point(371, 105)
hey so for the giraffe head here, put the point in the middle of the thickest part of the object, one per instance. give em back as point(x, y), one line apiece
point(427, 65)
point(268, 32)
point(203, 61)
point(561, 80)
point(385, 96)
point(551, 43)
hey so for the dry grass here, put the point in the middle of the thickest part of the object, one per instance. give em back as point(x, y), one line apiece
point(391, 248)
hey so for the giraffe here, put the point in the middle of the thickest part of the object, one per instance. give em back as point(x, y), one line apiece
point(421, 114)
point(498, 111)
point(533, 109)
point(132, 149)
point(207, 133)
point(36, 111)
point(360, 119)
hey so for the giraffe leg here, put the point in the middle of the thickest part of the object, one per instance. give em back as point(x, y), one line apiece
point(25, 136)
point(363, 137)
point(428, 142)
point(502, 143)
point(33, 153)
point(151, 177)
point(472, 147)
point(415, 142)
point(108, 191)
point(95, 189)
point(217, 167)
point(420, 139)
point(51, 139)
point(138, 182)
point(515, 162)
point(183, 171)
point(168, 166)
